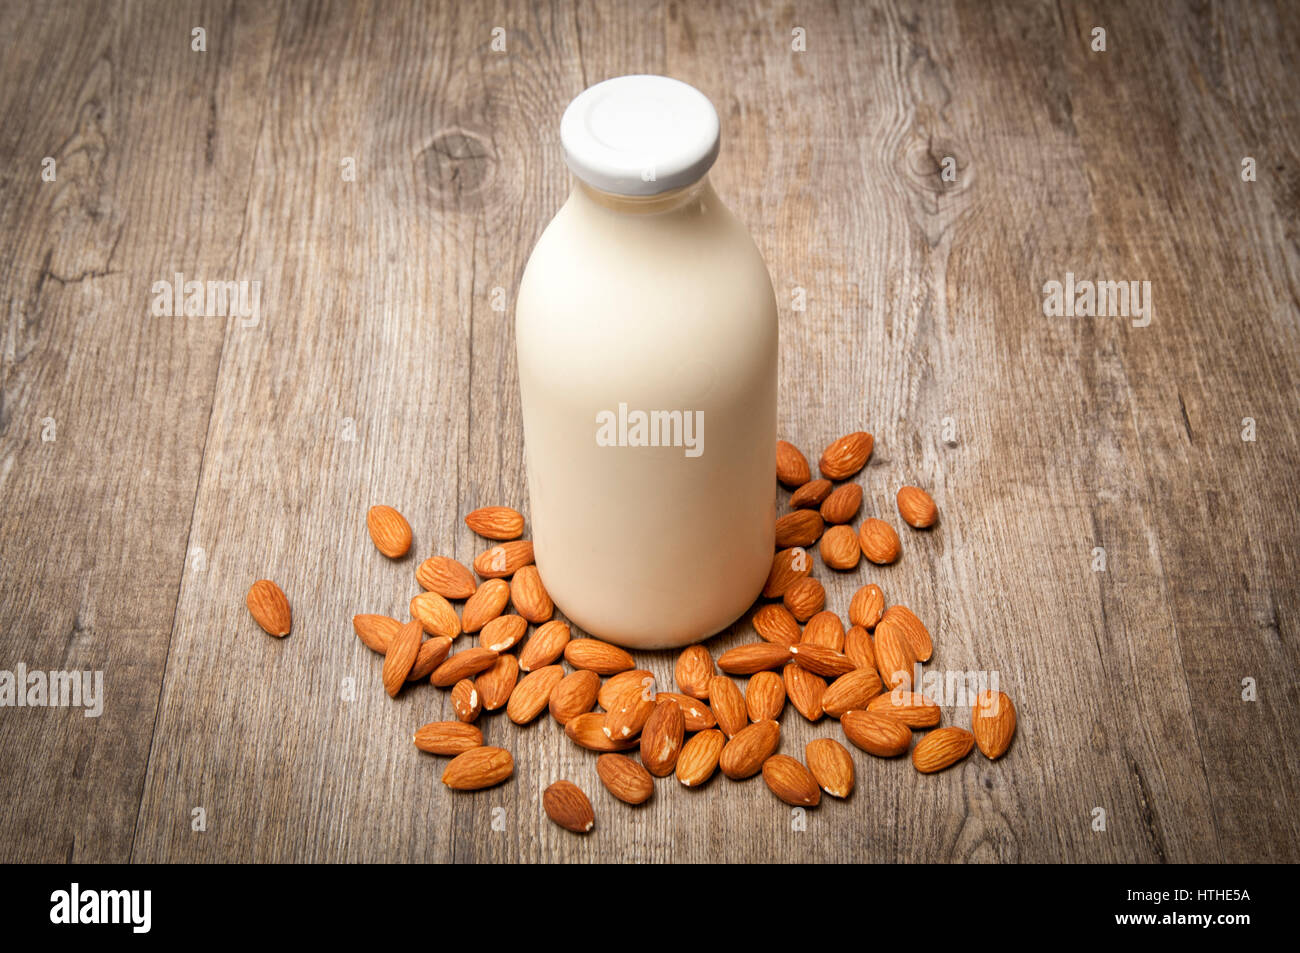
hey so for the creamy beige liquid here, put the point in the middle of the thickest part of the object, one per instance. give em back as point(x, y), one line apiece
point(658, 303)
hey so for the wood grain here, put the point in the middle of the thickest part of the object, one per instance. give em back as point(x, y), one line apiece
point(194, 455)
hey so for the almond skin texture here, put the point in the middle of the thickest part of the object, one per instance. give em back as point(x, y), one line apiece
point(532, 693)
point(486, 604)
point(791, 465)
point(478, 768)
point(728, 705)
point(805, 598)
point(375, 631)
point(693, 670)
point(743, 756)
point(832, 766)
point(911, 708)
point(463, 665)
point(777, 624)
point(448, 738)
point(800, 528)
point(699, 757)
point(698, 716)
point(466, 702)
point(916, 507)
point(567, 806)
point(859, 648)
point(942, 748)
point(853, 690)
point(662, 737)
point(811, 494)
point(436, 615)
point(840, 549)
point(805, 690)
point(574, 695)
point(825, 628)
point(843, 504)
point(496, 683)
point(821, 660)
point(791, 781)
point(597, 656)
point(402, 652)
point(503, 633)
point(545, 646)
point(876, 734)
point(879, 542)
point(893, 657)
point(993, 722)
point(431, 655)
point(504, 559)
point(911, 628)
point(445, 576)
point(787, 566)
point(496, 522)
point(765, 696)
point(389, 531)
point(753, 657)
point(625, 779)
point(628, 714)
point(588, 731)
point(616, 685)
point(269, 607)
point(530, 597)
point(867, 606)
point(846, 456)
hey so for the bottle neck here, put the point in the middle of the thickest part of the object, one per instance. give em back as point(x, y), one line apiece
point(646, 204)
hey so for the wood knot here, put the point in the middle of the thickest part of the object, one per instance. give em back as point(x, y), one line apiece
point(457, 166)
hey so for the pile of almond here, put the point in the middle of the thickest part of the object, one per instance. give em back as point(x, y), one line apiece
point(804, 655)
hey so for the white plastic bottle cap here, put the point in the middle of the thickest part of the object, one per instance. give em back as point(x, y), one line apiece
point(640, 135)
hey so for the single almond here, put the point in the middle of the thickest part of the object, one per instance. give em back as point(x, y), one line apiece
point(840, 548)
point(912, 629)
point(821, 660)
point(478, 768)
point(463, 665)
point(799, 528)
point(777, 624)
point(588, 731)
point(503, 633)
point(805, 598)
point(851, 690)
point(624, 778)
point(269, 607)
point(544, 646)
point(597, 656)
point(375, 631)
point(486, 604)
point(448, 737)
point(811, 494)
point(791, 465)
point(728, 705)
point(662, 737)
point(787, 566)
point(693, 670)
point(867, 606)
point(765, 697)
point(616, 685)
point(431, 654)
point(389, 531)
point(436, 615)
point(825, 628)
point(743, 756)
point(832, 766)
point(753, 657)
point(894, 656)
point(530, 597)
point(942, 748)
point(466, 702)
point(699, 757)
point(878, 541)
point(846, 456)
point(791, 781)
point(842, 505)
point(504, 559)
point(993, 722)
point(532, 693)
point(447, 577)
point(496, 683)
point(917, 507)
point(698, 716)
point(877, 734)
point(567, 806)
point(628, 714)
point(496, 522)
point(911, 708)
point(859, 648)
point(574, 695)
point(401, 656)
point(805, 690)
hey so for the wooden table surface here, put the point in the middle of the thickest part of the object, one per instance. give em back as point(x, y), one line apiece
point(153, 466)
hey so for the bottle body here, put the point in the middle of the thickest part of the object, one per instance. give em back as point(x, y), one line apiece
point(646, 336)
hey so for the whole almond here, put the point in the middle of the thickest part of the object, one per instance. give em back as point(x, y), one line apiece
point(728, 705)
point(912, 629)
point(503, 633)
point(401, 655)
point(496, 683)
point(842, 505)
point(389, 531)
point(574, 695)
point(799, 528)
point(811, 494)
point(859, 648)
point(805, 598)
point(597, 656)
point(375, 631)
point(876, 734)
point(588, 731)
point(942, 748)
point(466, 702)
point(911, 708)
point(840, 548)
point(532, 693)
point(791, 781)
point(486, 604)
point(743, 756)
point(765, 697)
point(852, 690)
point(805, 690)
point(436, 615)
point(753, 657)
point(567, 806)
point(791, 465)
point(496, 522)
point(269, 607)
point(846, 456)
point(698, 715)
point(693, 670)
point(893, 656)
point(624, 778)
point(530, 597)
point(699, 757)
point(431, 654)
point(917, 507)
point(825, 628)
point(544, 646)
point(463, 665)
point(478, 768)
point(821, 660)
point(661, 738)
point(616, 685)
point(993, 722)
point(504, 559)
point(777, 624)
point(878, 541)
point(787, 566)
point(832, 766)
point(867, 606)
point(445, 576)
point(448, 737)
point(628, 714)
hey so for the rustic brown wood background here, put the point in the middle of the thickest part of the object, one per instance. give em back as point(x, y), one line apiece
point(193, 455)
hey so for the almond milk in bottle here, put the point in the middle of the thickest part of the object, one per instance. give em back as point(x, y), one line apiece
point(646, 333)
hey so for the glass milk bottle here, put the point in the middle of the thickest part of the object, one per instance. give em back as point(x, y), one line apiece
point(646, 333)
